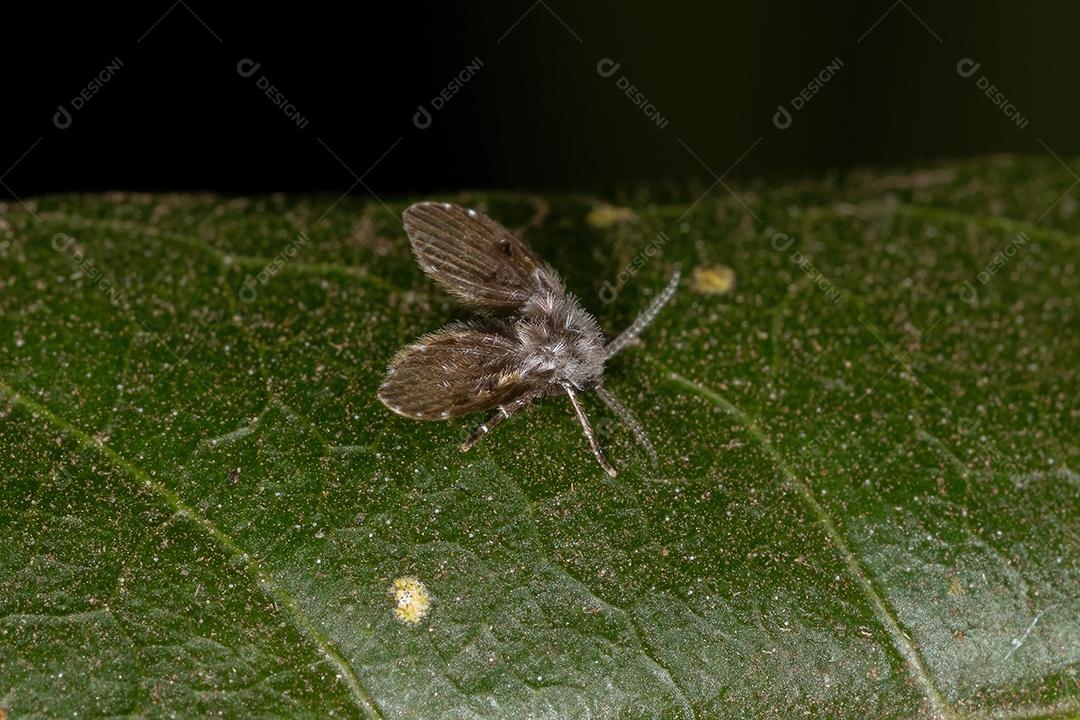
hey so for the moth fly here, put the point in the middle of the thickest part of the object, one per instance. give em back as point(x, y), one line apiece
point(534, 339)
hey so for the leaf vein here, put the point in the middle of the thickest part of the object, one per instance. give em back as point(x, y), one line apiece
point(882, 609)
point(363, 698)
point(659, 669)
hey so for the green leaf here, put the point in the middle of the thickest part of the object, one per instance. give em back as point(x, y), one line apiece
point(867, 502)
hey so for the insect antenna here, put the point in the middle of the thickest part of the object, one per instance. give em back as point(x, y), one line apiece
point(588, 430)
point(631, 422)
point(643, 319)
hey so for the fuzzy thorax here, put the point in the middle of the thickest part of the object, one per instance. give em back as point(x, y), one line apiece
point(560, 340)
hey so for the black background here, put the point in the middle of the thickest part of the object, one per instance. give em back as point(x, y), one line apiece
point(178, 116)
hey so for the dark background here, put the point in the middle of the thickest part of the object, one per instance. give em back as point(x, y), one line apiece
point(178, 116)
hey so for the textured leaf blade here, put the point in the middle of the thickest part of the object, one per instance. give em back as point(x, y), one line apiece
point(866, 503)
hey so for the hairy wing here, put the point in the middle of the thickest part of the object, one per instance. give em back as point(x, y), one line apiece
point(458, 370)
point(475, 258)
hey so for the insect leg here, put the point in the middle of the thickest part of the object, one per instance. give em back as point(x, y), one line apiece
point(588, 431)
point(644, 317)
point(628, 418)
point(504, 412)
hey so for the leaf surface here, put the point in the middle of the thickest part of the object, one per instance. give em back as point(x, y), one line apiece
point(867, 502)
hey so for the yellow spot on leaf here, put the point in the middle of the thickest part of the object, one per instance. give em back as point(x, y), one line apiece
point(715, 280)
point(604, 216)
point(412, 601)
